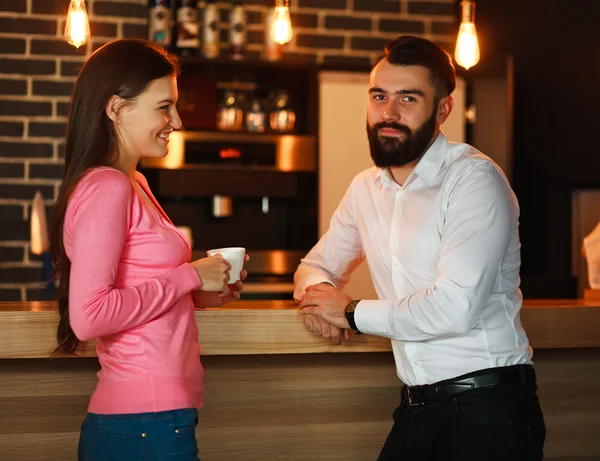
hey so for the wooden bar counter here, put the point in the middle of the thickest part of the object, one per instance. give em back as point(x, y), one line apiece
point(273, 390)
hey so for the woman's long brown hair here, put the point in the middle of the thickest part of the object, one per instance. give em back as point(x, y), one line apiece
point(124, 68)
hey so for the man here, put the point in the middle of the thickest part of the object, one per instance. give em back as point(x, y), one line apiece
point(438, 224)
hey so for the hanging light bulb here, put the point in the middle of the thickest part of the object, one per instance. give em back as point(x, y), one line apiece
point(282, 24)
point(467, 45)
point(77, 28)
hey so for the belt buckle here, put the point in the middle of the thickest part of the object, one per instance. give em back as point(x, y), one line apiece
point(410, 398)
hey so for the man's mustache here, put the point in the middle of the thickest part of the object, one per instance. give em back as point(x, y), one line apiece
point(393, 125)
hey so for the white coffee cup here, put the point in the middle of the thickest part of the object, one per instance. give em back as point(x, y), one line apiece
point(235, 257)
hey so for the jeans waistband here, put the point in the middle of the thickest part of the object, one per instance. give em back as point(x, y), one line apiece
point(184, 416)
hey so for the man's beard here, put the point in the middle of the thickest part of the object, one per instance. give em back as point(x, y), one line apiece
point(389, 152)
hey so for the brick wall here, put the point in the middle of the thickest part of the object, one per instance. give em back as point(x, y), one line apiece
point(38, 68)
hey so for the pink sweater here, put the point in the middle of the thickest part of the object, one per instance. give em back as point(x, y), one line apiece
point(130, 288)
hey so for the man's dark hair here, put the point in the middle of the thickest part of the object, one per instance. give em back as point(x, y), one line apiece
point(407, 50)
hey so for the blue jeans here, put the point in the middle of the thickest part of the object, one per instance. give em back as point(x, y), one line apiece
point(161, 436)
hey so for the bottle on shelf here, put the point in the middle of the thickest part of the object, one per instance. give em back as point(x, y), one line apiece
point(230, 113)
point(237, 30)
point(256, 118)
point(282, 118)
point(187, 41)
point(210, 30)
point(160, 22)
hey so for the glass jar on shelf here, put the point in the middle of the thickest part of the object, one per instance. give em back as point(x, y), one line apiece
point(256, 118)
point(230, 113)
point(282, 118)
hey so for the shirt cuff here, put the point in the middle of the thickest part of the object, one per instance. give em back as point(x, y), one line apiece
point(314, 279)
point(371, 317)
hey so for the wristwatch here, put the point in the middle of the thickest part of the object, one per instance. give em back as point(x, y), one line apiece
point(349, 313)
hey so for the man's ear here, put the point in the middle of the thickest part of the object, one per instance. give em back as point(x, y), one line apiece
point(113, 107)
point(444, 108)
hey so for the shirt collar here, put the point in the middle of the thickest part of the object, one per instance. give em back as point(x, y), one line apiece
point(433, 159)
point(384, 178)
point(428, 167)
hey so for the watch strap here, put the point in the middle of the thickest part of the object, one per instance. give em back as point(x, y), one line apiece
point(349, 313)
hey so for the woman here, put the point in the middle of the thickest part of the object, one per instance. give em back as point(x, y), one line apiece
point(124, 270)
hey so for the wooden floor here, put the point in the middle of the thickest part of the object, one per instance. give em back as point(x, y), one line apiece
point(307, 407)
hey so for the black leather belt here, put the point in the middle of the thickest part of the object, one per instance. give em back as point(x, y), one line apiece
point(516, 376)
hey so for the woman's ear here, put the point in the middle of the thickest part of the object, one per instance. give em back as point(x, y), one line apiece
point(113, 107)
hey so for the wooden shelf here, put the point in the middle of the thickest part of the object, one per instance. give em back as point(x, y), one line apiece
point(287, 62)
point(243, 136)
point(248, 63)
point(291, 152)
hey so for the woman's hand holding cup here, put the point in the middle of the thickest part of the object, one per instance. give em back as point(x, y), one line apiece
point(236, 256)
point(237, 287)
point(213, 272)
point(231, 293)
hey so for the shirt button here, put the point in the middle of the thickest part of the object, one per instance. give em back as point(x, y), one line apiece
point(416, 363)
point(396, 265)
point(396, 227)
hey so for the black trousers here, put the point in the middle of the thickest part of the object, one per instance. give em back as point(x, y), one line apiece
point(500, 423)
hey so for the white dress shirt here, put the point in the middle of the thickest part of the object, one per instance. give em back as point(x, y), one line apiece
point(444, 254)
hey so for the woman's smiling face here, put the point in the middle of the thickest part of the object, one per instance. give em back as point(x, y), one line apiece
point(143, 126)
